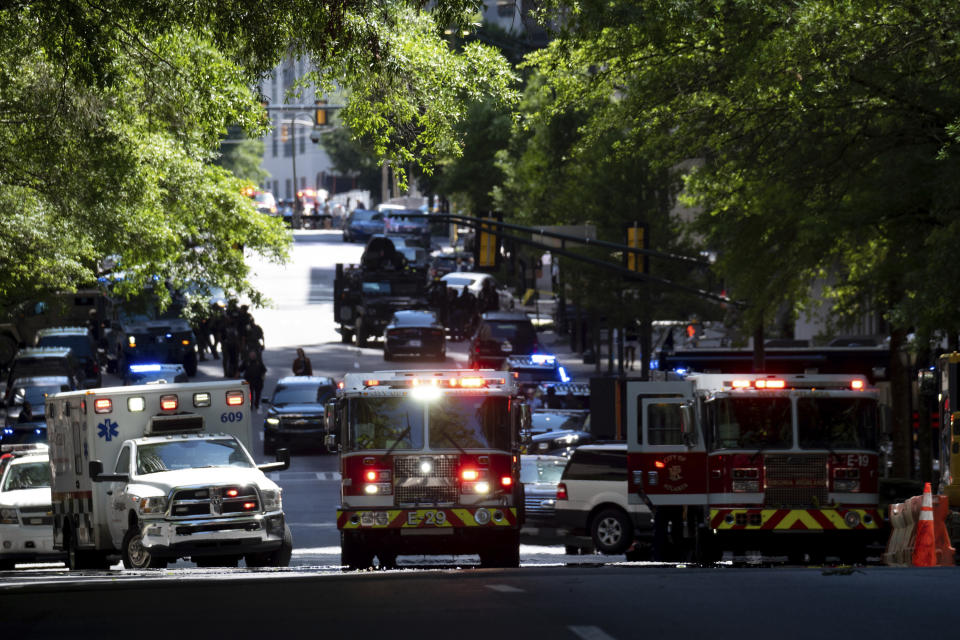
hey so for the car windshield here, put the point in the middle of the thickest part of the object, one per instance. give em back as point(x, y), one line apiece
point(545, 471)
point(79, 343)
point(365, 216)
point(837, 423)
point(458, 282)
point(36, 396)
point(468, 421)
point(302, 394)
point(384, 423)
point(753, 423)
point(190, 454)
point(542, 421)
point(28, 475)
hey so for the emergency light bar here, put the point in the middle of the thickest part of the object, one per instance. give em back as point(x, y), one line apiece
point(144, 368)
point(799, 382)
point(539, 358)
point(465, 382)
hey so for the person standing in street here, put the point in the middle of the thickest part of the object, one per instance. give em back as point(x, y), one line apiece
point(254, 372)
point(301, 364)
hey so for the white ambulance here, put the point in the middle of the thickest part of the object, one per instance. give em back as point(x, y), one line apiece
point(180, 483)
point(26, 534)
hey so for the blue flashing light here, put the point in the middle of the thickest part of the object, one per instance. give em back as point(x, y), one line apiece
point(168, 336)
point(680, 371)
point(541, 358)
point(144, 368)
point(8, 431)
point(38, 431)
point(563, 375)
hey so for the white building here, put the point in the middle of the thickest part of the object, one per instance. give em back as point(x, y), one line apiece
point(281, 158)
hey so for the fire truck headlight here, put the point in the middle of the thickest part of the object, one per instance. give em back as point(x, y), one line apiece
point(425, 393)
point(426, 466)
point(482, 487)
point(370, 489)
point(153, 506)
point(272, 499)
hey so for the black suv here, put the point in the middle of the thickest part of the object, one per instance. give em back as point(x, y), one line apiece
point(84, 347)
point(501, 334)
point(46, 361)
point(295, 412)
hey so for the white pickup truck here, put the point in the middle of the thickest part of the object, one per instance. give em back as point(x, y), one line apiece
point(180, 483)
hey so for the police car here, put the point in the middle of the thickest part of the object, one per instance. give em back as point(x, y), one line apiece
point(26, 510)
point(531, 371)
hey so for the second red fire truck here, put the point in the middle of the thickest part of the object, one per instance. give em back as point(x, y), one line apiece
point(429, 464)
point(782, 464)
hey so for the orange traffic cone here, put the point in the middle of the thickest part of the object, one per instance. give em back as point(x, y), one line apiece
point(925, 548)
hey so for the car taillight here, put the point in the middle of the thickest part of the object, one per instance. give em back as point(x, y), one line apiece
point(561, 491)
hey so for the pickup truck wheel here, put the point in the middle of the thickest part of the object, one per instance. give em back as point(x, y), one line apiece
point(611, 531)
point(346, 335)
point(281, 557)
point(135, 556)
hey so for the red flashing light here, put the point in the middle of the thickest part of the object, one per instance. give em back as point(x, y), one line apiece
point(506, 481)
point(234, 398)
point(470, 475)
point(371, 476)
point(660, 464)
point(472, 383)
point(102, 405)
point(169, 403)
point(340, 385)
point(232, 493)
point(771, 384)
point(371, 383)
point(856, 385)
point(248, 506)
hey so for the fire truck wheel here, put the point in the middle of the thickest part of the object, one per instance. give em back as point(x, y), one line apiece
point(135, 556)
point(354, 555)
point(611, 531)
point(387, 560)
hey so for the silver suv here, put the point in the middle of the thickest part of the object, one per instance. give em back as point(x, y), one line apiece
point(592, 499)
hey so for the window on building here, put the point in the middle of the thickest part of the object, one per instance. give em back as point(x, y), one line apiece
point(289, 190)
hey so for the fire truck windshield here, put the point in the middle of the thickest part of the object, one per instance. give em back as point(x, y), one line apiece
point(469, 422)
point(752, 423)
point(837, 423)
point(383, 423)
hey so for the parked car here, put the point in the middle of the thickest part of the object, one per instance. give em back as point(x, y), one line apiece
point(155, 373)
point(398, 222)
point(84, 347)
point(530, 371)
point(417, 333)
point(34, 390)
point(46, 361)
point(26, 510)
point(473, 281)
point(295, 412)
point(540, 476)
point(592, 499)
point(544, 420)
point(22, 433)
point(361, 224)
point(500, 334)
point(557, 443)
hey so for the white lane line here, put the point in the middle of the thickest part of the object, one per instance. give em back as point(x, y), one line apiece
point(504, 588)
point(589, 632)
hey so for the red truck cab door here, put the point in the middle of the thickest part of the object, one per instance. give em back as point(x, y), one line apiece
point(667, 459)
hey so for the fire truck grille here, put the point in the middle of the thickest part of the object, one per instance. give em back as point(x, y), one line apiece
point(795, 480)
point(425, 480)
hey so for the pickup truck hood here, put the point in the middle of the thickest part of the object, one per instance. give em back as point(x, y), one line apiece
point(164, 481)
point(37, 497)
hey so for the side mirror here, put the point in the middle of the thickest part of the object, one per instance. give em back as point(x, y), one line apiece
point(688, 425)
point(282, 463)
point(330, 416)
point(330, 440)
point(97, 474)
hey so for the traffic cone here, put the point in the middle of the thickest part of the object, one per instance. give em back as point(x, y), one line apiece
point(925, 548)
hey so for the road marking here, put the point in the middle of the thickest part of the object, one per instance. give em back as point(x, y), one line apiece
point(589, 633)
point(504, 588)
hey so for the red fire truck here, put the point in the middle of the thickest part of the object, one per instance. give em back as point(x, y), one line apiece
point(781, 464)
point(429, 465)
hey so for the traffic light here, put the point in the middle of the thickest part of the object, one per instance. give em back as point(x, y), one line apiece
point(284, 132)
point(320, 118)
point(636, 239)
point(487, 248)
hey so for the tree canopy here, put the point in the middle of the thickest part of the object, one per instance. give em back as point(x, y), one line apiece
point(112, 115)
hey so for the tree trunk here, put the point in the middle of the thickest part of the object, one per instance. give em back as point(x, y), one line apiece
point(900, 406)
point(759, 355)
